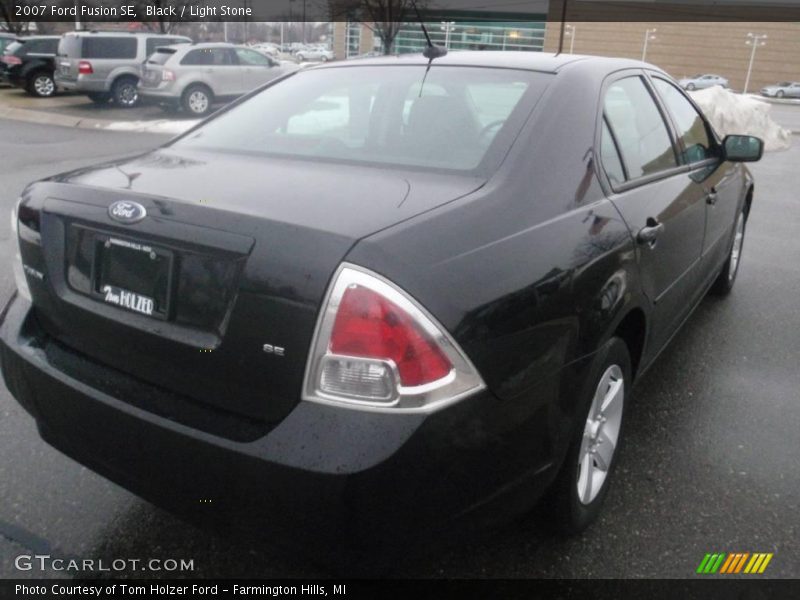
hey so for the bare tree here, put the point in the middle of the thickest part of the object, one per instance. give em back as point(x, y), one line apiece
point(383, 17)
point(9, 21)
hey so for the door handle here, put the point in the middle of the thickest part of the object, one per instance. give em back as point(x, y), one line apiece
point(649, 233)
point(711, 196)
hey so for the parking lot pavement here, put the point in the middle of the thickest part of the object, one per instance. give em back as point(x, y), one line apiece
point(709, 465)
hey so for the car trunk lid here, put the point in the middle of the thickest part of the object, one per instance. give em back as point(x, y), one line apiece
point(234, 253)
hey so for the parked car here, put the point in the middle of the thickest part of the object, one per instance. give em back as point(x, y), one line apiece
point(784, 89)
point(106, 65)
point(701, 82)
point(29, 63)
point(377, 302)
point(315, 53)
point(196, 76)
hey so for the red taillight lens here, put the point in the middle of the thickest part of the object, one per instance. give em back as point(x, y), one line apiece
point(11, 60)
point(167, 75)
point(85, 67)
point(368, 325)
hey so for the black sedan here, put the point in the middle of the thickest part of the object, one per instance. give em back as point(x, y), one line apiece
point(377, 298)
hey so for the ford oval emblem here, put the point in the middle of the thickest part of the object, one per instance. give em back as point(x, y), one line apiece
point(127, 212)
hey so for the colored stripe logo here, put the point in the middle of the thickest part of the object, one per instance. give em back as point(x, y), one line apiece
point(735, 562)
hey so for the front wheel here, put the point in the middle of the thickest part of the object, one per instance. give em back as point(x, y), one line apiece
point(727, 277)
point(41, 85)
point(691, 87)
point(779, 94)
point(582, 484)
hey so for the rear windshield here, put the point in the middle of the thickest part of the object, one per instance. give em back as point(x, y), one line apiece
point(109, 47)
point(160, 56)
point(381, 114)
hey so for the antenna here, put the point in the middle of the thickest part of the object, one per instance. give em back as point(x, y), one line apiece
point(563, 24)
point(432, 50)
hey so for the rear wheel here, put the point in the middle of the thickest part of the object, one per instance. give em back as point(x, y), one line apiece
point(582, 484)
point(727, 277)
point(690, 87)
point(41, 84)
point(99, 97)
point(197, 100)
point(125, 93)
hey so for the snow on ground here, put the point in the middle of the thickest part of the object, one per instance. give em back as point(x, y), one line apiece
point(747, 115)
point(157, 126)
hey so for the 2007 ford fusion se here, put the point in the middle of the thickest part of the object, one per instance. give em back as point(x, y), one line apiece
point(378, 298)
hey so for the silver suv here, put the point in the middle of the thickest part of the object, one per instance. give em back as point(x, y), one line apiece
point(195, 76)
point(105, 65)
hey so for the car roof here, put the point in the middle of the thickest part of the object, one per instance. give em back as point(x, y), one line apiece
point(508, 59)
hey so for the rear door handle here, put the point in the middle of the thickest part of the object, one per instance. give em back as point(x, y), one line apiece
point(649, 233)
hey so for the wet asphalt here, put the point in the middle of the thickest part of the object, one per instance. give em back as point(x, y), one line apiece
point(710, 461)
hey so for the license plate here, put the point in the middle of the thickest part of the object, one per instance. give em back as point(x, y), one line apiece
point(132, 275)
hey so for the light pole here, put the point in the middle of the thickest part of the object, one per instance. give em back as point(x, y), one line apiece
point(755, 40)
point(649, 36)
point(447, 27)
point(570, 31)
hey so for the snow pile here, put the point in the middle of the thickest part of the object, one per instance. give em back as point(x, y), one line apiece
point(733, 113)
point(156, 126)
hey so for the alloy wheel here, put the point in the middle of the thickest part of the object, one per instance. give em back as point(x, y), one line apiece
point(44, 86)
point(128, 95)
point(198, 102)
point(601, 434)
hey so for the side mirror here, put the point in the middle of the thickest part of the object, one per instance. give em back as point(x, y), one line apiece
point(742, 148)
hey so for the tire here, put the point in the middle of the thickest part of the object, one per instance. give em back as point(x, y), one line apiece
point(300, 57)
point(779, 94)
point(197, 100)
point(41, 84)
point(690, 87)
point(723, 285)
point(124, 92)
point(583, 482)
point(324, 58)
point(99, 97)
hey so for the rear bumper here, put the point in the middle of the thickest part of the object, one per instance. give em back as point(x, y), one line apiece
point(81, 85)
point(323, 475)
point(162, 94)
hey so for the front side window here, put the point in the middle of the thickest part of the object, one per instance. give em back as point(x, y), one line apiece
point(251, 57)
point(697, 145)
point(638, 127)
point(380, 115)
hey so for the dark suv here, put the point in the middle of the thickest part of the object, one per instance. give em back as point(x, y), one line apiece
point(29, 63)
point(105, 65)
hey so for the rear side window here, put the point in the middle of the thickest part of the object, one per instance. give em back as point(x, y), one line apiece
point(209, 57)
point(109, 47)
point(41, 46)
point(609, 155)
point(691, 127)
point(638, 127)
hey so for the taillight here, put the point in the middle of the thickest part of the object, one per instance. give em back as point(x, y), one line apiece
point(377, 348)
point(11, 60)
point(85, 67)
point(167, 75)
